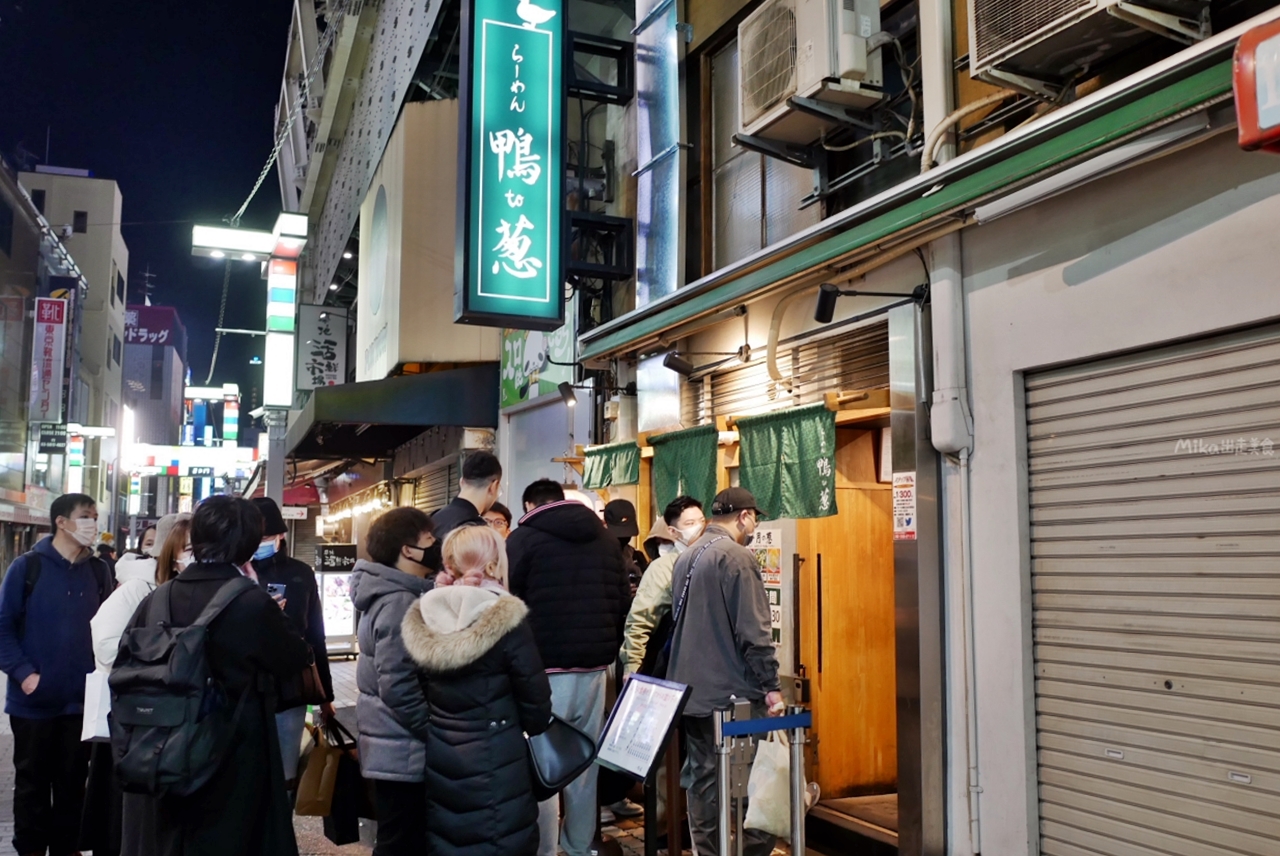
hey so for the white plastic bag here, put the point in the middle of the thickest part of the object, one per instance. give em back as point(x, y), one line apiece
point(769, 788)
point(97, 704)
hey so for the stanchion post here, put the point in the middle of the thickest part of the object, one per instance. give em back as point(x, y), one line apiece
point(722, 782)
point(798, 793)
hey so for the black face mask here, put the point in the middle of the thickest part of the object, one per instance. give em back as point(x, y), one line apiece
point(421, 560)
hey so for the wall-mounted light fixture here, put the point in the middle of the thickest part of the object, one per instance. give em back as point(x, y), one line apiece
point(829, 293)
point(566, 392)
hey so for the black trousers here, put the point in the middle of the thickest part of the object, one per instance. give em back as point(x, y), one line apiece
point(50, 765)
point(402, 818)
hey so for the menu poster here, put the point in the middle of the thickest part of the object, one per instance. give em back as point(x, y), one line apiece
point(636, 735)
point(766, 546)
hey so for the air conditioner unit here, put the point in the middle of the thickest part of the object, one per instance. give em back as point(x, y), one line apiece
point(812, 50)
point(1043, 46)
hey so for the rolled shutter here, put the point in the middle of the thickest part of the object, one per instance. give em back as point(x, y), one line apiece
point(1155, 571)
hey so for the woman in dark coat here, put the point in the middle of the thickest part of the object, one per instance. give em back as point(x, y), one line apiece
point(485, 686)
point(244, 808)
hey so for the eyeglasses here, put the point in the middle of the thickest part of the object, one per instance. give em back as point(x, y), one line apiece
point(498, 523)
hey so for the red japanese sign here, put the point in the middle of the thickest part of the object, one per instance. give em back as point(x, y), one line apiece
point(48, 359)
point(1257, 88)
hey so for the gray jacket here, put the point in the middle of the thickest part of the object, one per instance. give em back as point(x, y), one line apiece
point(391, 710)
point(722, 645)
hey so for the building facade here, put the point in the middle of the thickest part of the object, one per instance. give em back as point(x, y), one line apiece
point(1004, 266)
point(86, 213)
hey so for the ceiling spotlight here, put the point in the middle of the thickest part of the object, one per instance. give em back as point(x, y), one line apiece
point(828, 294)
point(256, 361)
point(247, 257)
point(324, 315)
point(678, 364)
point(333, 286)
point(348, 255)
point(567, 393)
point(217, 254)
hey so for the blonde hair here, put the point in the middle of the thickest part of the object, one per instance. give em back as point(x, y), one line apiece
point(470, 548)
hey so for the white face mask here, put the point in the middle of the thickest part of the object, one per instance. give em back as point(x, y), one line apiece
point(689, 534)
point(86, 530)
point(665, 547)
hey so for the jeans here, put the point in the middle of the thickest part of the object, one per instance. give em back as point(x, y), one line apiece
point(289, 725)
point(402, 818)
point(699, 778)
point(578, 698)
point(51, 766)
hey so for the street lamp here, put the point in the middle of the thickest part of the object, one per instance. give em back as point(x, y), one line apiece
point(279, 249)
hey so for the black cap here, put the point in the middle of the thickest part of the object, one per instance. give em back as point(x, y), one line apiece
point(620, 518)
point(272, 519)
point(732, 500)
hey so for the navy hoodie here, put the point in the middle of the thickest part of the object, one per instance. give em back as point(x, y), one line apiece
point(57, 642)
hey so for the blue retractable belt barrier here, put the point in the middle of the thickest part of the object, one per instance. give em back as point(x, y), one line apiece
point(744, 727)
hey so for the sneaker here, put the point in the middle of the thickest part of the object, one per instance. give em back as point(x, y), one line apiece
point(626, 808)
point(606, 817)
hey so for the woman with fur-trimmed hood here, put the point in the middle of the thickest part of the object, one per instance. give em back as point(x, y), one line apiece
point(486, 687)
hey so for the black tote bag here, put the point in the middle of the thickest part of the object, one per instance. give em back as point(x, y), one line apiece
point(350, 792)
point(557, 756)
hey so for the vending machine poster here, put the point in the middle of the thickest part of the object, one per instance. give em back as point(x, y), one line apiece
point(766, 546)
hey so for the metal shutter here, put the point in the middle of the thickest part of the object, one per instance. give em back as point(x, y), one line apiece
point(1155, 571)
point(432, 490)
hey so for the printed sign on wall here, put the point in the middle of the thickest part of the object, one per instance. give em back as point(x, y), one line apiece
point(529, 363)
point(322, 346)
point(511, 209)
point(49, 346)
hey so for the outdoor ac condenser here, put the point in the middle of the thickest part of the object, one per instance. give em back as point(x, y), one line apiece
point(808, 49)
point(1043, 46)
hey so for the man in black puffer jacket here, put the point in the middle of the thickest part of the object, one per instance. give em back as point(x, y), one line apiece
point(569, 570)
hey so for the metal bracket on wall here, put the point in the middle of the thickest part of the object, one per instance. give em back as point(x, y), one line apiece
point(581, 83)
point(611, 236)
point(1180, 28)
point(801, 156)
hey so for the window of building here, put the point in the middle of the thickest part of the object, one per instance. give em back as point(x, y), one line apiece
point(37, 199)
point(6, 228)
point(115, 348)
point(756, 199)
point(80, 222)
point(119, 286)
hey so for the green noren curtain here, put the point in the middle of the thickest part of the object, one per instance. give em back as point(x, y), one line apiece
point(684, 463)
point(787, 459)
point(617, 463)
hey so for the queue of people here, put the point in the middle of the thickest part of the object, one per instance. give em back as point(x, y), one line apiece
point(472, 633)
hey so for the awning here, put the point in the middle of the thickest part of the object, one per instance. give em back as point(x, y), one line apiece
point(370, 419)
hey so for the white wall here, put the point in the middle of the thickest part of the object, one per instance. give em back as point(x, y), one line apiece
point(407, 274)
point(1178, 248)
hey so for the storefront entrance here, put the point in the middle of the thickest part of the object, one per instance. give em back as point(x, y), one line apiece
point(847, 642)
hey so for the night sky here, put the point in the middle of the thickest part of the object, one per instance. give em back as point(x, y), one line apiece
point(175, 101)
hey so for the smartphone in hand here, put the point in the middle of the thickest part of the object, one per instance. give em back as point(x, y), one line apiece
point(276, 590)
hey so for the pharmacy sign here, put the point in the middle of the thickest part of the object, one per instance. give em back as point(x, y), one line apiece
point(511, 208)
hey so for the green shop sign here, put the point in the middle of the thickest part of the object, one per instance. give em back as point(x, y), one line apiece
point(511, 210)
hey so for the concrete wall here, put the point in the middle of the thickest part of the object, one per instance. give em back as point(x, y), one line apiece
point(1174, 249)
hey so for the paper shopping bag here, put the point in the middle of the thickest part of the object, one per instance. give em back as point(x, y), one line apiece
point(315, 787)
point(97, 704)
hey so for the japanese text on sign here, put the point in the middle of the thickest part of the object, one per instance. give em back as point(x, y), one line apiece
point(513, 189)
point(766, 546)
point(904, 506)
point(48, 359)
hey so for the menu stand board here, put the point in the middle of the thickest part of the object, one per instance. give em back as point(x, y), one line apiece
point(334, 564)
point(635, 737)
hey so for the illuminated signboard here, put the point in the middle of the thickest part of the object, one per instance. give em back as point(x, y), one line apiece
point(1257, 88)
point(510, 206)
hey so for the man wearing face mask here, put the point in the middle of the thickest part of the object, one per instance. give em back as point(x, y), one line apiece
point(47, 600)
point(649, 619)
point(722, 647)
point(302, 604)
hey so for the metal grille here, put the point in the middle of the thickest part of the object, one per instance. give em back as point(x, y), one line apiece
point(432, 490)
point(1001, 23)
point(768, 41)
point(854, 359)
point(1155, 543)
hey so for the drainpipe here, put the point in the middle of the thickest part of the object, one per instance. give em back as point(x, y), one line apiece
point(951, 422)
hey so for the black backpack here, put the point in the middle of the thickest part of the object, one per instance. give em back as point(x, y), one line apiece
point(171, 722)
